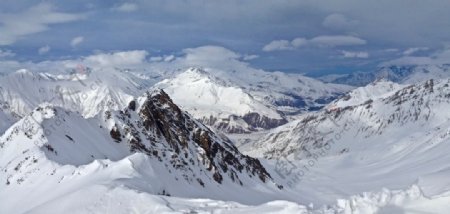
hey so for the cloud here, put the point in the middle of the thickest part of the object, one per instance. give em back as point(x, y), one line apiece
point(165, 58)
point(6, 53)
point(320, 41)
point(124, 58)
point(338, 21)
point(249, 57)
point(14, 26)
point(278, 45)
point(410, 51)
point(44, 50)
point(351, 54)
point(205, 55)
point(332, 41)
point(213, 57)
point(437, 58)
point(76, 41)
point(298, 42)
point(156, 59)
point(169, 58)
point(126, 7)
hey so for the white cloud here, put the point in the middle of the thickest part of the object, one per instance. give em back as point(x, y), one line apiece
point(351, 54)
point(320, 41)
point(278, 45)
point(331, 41)
point(410, 51)
point(14, 26)
point(126, 7)
point(212, 57)
point(44, 50)
point(169, 58)
point(6, 53)
point(298, 42)
point(338, 21)
point(125, 58)
point(156, 58)
point(206, 55)
point(249, 57)
point(76, 41)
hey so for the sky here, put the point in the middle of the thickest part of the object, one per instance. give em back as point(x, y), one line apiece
point(304, 36)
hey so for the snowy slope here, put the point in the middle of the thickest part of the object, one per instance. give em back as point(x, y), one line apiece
point(375, 90)
point(391, 141)
point(219, 103)
point(248, 100)
point(150, 146)
point(104, 199)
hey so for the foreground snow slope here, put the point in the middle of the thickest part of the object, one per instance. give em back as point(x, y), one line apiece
point(106, 199)
point(391, 141)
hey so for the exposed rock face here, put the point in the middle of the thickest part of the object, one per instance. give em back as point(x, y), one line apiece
point(156, 126)
point(264, 122)
point(246, 124)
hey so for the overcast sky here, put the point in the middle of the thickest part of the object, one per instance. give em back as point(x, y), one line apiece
point(307, 36)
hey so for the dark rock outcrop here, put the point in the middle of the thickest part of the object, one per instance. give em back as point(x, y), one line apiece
point(162, 130)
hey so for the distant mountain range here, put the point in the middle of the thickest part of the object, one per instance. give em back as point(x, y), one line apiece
point(405, 74)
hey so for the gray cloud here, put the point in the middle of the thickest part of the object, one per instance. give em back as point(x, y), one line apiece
point(278, 45)
point(34, 20)
point(338, 21)
point(165, 27)
point(438, 58)
point(6, 53)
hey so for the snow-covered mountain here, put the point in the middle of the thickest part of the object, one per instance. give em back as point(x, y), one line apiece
point(404, 74)
point(89, 142)
point(380, 136)
point(247, 101)
point(375, 90)
point(231, 102)
point(82, 90)
point(151, 145)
